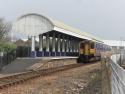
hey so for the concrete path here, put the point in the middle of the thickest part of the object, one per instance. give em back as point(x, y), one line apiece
point(19, 65)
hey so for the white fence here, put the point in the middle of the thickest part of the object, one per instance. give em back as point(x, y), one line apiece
point(118, 76)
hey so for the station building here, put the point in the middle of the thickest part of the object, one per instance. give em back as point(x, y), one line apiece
point(55, 38)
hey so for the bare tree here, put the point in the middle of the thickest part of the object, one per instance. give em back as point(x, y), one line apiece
point(4, 28)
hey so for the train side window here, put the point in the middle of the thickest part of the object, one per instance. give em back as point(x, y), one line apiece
point(92, 46)
point(82, 45)
point(97, 47)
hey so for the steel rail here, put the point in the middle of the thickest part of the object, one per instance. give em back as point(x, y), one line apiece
point(15, 79)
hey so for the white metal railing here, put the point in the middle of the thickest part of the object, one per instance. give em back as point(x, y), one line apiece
point(118, 76)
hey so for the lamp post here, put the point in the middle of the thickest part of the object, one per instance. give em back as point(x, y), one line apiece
point(122, 53)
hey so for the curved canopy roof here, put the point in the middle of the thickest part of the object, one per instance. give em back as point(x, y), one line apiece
point(35, 24)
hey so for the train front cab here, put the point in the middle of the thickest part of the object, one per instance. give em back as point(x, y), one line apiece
point(84, 52)
point(88, 52)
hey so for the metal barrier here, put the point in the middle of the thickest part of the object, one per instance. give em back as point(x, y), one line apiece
point(118, 76)
point(7, 58)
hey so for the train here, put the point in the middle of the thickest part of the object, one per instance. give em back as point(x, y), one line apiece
point(91, 51)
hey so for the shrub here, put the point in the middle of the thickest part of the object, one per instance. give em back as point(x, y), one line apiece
point(6, 47)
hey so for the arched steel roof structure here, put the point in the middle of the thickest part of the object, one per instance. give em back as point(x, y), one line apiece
point(34, 24)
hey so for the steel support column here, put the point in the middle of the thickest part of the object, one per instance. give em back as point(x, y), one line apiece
point(71, 47)
point(77, 46)
point(33, 52)
point(63, 46)
point(58, 46)
point(40, 53)
point(47, 53)
point(67, 47)
point(53, 45)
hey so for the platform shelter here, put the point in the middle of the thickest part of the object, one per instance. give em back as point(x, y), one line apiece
point(55, 38)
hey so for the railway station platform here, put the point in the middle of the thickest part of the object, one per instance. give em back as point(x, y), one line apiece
point(54, 38)
point(50, 58)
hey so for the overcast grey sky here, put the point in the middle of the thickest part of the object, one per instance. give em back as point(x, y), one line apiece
point(103, 18)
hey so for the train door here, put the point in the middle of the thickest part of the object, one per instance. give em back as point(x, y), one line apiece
point(82, 49)
point(87, 49)
point(92, 49)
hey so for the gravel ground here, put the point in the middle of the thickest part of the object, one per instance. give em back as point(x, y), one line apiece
point(106, 75)
point(94, 86)
point(74, 81)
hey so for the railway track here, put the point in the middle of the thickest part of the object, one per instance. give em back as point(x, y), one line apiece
point(22, 77)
